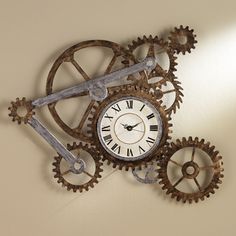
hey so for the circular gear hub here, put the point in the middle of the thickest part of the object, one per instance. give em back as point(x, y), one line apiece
point(21, 110)
point(182, 39)
point(128, 91)
point(189, 171)
point(85, 179)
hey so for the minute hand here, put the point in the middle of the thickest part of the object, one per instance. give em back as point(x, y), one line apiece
point(93, 84)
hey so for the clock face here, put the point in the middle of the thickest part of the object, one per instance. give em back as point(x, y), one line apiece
point(129, 128)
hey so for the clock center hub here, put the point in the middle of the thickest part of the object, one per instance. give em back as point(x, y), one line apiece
point(129, 128)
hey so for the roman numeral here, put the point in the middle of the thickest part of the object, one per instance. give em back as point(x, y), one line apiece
point(108, 117)
point(153, 128)
point(106, 128)
point(116, 148)
point(116, 108)
point(150, 141)
point(150, 116)
point(142, 107)
point(130, 104)
point(141, 150)
point(108, 139)
point(129, 152)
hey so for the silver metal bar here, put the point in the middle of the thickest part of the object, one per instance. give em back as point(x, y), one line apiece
point(57, 145)
point(90, 85)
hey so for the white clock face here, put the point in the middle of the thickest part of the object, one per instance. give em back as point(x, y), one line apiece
point(129, 128)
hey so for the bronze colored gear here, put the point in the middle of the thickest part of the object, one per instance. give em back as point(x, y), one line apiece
point(157, 89)
point(93, 177)
point(131, 91)
point(153, 43)
point(27, 107)
point(195, 169)
point(185, 34)
point(68, 56)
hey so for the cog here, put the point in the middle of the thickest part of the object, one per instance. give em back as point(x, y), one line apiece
point(191, 170)
point(68, 56)
point(182, 39)
point(87, 154)
point(129, 91)
point(27, 109)
point(172, 87)
point(147, 175)
point(156, 46)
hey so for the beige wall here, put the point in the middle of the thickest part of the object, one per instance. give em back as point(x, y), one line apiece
point(32, 34)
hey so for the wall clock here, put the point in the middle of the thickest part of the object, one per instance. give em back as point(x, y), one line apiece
point(127, 122)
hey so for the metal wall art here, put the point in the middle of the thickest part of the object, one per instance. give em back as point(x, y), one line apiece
point(128, 124)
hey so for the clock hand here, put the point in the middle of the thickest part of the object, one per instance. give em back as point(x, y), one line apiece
point(138, 130)
point(96, 87)
point(133, 126)
point(124, 125)
point(58, 146)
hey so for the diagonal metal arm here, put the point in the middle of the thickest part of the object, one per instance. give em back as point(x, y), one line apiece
point(97, 84)
point(57, 145)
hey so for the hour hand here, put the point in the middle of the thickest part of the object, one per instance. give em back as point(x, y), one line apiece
point(124, 125)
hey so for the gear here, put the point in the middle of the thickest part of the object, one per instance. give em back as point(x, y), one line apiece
point(129, 91)
point(87, 154)
point(190, 170)
point(182, 39)
point(27, 109)
point(147, 175)
point(68, 57)
point(160, 93)
point(156, 46)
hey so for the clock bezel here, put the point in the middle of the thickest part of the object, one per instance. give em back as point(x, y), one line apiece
point(157, 140)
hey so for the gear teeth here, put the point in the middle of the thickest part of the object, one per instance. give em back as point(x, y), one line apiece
point(182, 47)
point(27, 105)
point(94, 179)
point(162, 44)
point(170, 150)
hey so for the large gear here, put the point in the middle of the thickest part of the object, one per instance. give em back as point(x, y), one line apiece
point(153, 51)
point(165, 76)
point(182, 39)
point(68, 57)
point(130, 91)
point(27, 108)
point(92, 179)
point(190, 170)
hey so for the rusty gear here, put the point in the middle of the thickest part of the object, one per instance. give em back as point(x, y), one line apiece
point(60, 176)
point(203, 191)
point(153, 51)
point(134, 91)
point(147, 175)
point(26, 105)
point(180, 34)
point(68, 57)
point(157, 90)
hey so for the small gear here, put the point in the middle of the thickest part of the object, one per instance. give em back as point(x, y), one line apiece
point(210, 165)
point(129, 91)
point(147, 175)
point(156, 47)
point(27, 110)
point(170, 87)
point(182, 39)
point(92, 160)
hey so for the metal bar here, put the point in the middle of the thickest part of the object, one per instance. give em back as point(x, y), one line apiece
point(52, 140)
point(147, 64)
